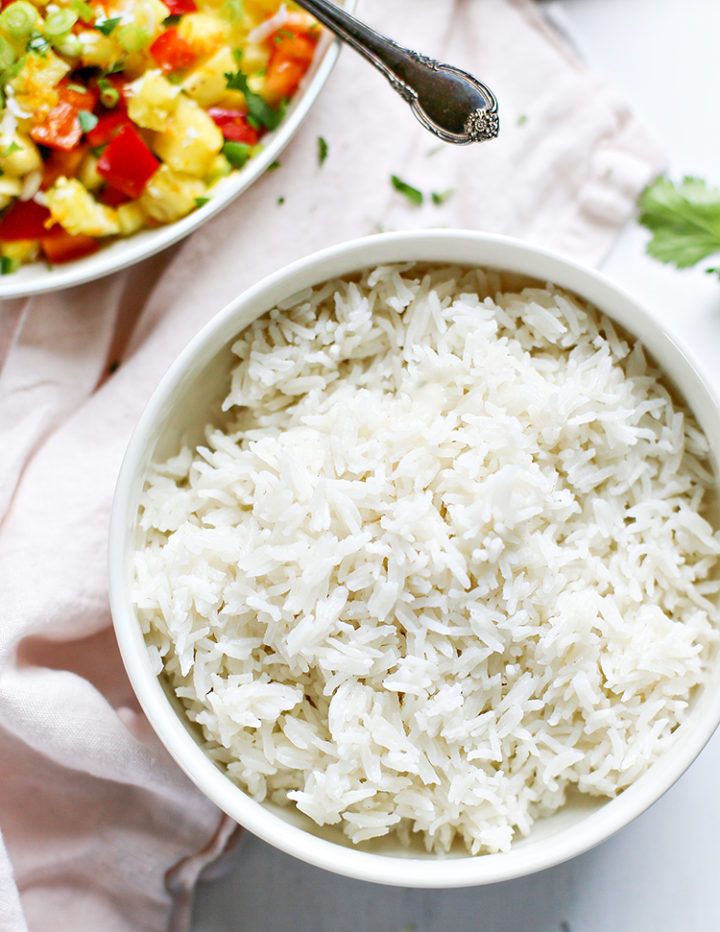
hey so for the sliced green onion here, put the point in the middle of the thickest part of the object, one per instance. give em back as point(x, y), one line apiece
point(59, 22)
point(237, 153)
point(19, 19)
point(109, 94)
point(132, 38)
point(84, 11)
point(87, 120)
point(68, 45)
point(7, 54)
point(37, 42)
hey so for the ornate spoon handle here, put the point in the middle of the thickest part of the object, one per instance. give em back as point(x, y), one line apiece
point(449, 102)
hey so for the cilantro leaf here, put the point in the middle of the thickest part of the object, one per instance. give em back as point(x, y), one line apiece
point(412, 194)
point(684, 220)
point(258, 108)
point(322, 149)
point(439, 197)
point(106, 26)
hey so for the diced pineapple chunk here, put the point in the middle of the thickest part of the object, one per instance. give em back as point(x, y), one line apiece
point(146, 14)
point(34, 85)
point(170, 195)
point(204, 32)
point(22, 155)
point(21, 250)
point(88, 173)
point(77, 211)
point(97, 49)
point(207, 83)
point(130, 217)
point(9, 188)
point(190, 140)
point(152, 100)
point(255, 57)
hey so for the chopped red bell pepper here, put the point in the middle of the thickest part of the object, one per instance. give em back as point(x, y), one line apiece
point(61, 246)
point(60, 129)
point(107, 126)
point(233, 125)
point(86, 99)
point(112, 197)
point(127, 163)
point(60, 164)
point(23, 220)
point(172, 52)
point(178, 7)
point(291, 57)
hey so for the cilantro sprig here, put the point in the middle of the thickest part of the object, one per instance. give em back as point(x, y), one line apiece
point(684, 219)
point(258, 108)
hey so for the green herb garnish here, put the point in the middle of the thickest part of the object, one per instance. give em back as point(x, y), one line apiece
point(109, 94)
point(8, 265)
point(322, 150)
point(107, 25)
point(201, 201)
point(273, 166)
point(78, 88)
point(258, 109)
point(439, 197)
point(522, 119)
point(13, 147)
point(412, 194)
point(281, 200)
point(172, 20)
point(684, 220)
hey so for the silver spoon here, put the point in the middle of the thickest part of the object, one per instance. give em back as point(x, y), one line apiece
point(449, 102)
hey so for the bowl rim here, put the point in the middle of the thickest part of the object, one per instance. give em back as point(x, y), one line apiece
point(469, 247)
point(37, 278)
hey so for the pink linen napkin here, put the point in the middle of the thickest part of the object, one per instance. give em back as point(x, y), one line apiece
point(99, 828)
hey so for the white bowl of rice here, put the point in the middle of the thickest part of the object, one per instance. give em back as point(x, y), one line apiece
point(414, 559)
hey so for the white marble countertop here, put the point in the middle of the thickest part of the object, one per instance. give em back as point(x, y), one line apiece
point(661, 872)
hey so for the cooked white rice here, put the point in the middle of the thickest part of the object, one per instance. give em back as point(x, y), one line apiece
point(444, 562)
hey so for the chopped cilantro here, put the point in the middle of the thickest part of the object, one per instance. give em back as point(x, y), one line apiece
point(412, 194)
point(172, 20)
point(107, 25)
point(13, 147)
point(322, 149)
point(237, 153)
point(439, 197)
point(87, 120)
point(684, 220)
point(522, 119)
point(258, 108)
point(281, 200)
point(201, 201)
point(8, 265)
point(283, 34)
point(273, 166)
point(113, 367)
point(434, 150)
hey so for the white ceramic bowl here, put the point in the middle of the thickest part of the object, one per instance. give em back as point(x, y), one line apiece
point(38, 277)
point(186, 399)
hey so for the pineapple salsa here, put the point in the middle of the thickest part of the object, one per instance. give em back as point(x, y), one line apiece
point(119, 115)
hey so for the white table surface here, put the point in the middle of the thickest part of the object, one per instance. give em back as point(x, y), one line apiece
point(661, 872)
